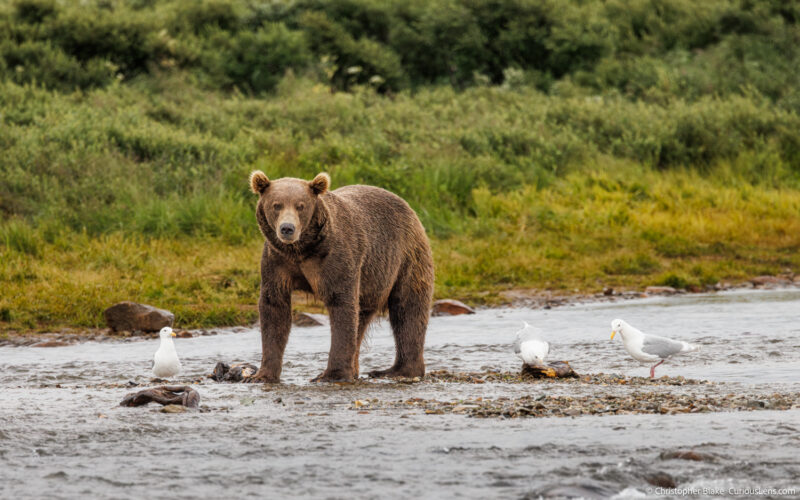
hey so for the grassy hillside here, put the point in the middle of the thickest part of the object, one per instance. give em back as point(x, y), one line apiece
point(600, 144)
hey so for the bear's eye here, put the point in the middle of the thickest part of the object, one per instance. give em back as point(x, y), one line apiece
point(277, 206)
point(300, 207)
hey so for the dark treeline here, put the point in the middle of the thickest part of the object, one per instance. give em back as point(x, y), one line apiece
point(648, 49)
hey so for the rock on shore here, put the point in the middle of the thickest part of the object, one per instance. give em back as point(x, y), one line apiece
point(450, 307)
point(130, 316)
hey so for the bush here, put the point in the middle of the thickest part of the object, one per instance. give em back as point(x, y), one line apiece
point(356, 61)
point(255, 61)
point(653, 51)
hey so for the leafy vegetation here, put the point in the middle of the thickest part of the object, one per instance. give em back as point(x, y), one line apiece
point(543, 144)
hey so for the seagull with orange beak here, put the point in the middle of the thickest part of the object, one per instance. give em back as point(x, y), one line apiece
point(165, 361)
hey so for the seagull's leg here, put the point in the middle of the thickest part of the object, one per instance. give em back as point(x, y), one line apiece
point(653, 369)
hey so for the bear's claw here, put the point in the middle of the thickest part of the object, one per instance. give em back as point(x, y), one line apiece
point(333, 376)
point(261, 378)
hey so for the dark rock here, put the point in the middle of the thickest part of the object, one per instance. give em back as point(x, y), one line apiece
point(310, 319)
point(450, 307)
point(608, 291)
point(184, 334)
point(130, 316)
point(694, 456)
point(660, 290)
point(661, 479)
point(50, 343)
point(235, 373)
point(584, 488)
point(165, 395)
point(553, 369)
point(769, 281)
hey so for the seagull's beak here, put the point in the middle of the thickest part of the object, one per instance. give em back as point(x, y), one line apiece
point(172, 334)
point(613, 332)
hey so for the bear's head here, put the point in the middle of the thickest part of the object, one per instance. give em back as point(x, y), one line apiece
point(286, 207)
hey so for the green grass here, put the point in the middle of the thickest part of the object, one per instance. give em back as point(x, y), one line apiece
point(620, 143)
point(583, 232)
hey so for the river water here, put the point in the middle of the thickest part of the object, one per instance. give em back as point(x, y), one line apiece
point(63, 435)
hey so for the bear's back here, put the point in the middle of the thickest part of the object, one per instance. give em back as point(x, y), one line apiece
point(374, 201)
point(380, 217)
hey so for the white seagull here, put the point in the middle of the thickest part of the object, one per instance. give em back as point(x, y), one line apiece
point(647, 348)
point(165, 361)
point(529, 347)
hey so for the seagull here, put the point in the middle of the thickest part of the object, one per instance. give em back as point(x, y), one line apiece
point(165, 361)
point(647, 348)
point(529, 348)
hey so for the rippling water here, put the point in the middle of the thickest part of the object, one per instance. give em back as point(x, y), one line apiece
point(62, 434)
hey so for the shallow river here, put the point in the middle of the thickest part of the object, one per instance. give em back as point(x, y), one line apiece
point(62, 434)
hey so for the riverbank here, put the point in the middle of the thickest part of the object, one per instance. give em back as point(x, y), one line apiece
point(517, 298)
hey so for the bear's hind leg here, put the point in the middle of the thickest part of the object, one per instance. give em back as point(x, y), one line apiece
point(409, 308)
point(364, 319)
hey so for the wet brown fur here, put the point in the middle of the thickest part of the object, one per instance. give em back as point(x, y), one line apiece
point(360, 250)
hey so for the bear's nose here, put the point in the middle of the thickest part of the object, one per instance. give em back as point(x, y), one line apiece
point(287, 230)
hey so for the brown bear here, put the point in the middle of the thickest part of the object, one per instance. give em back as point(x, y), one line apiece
point(360, 250)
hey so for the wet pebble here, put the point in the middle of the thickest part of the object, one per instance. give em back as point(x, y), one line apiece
point(173, 409)
point(694, 456)
point(661, 479)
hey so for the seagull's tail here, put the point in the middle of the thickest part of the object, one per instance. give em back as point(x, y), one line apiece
point(687, 347)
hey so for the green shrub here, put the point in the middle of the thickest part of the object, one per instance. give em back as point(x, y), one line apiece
point(34, 11)
point(256, 61)
point(43, 64)
point(674, 280)
point(356, 60)
point(654, 51)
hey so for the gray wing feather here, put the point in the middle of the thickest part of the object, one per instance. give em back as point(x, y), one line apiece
point(517, 346)
point(532, 334)
point(660, 346)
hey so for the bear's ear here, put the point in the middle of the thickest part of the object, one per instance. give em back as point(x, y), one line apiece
point(320, 183)
point(258, 182)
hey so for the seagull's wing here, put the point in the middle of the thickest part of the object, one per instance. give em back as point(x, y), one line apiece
point(529, 333)
point(661, 346)
point(517, 346)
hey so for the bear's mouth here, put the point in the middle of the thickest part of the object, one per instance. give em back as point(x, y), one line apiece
point(288, 239)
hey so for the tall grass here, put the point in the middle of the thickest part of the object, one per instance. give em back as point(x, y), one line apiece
point(588, 230)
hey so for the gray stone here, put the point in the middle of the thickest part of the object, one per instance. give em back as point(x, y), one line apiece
point(173, 409)
point(450, 307)
point(130, 316)
point(310, 319)
point(769, 281)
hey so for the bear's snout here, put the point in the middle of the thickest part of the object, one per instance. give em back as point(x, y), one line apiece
point(287, 230)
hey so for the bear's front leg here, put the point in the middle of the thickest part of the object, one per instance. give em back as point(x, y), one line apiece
point(275, 312)
point(343, 311)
